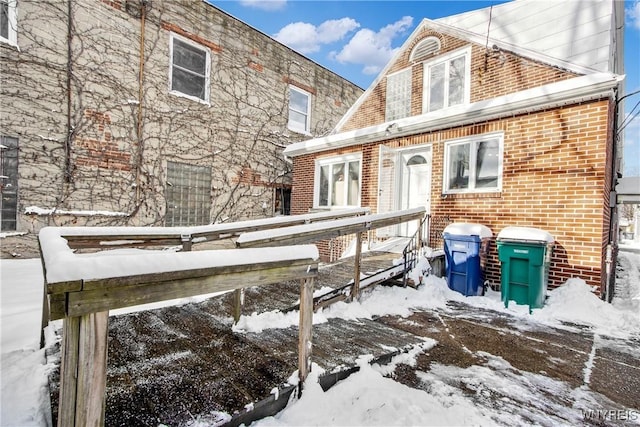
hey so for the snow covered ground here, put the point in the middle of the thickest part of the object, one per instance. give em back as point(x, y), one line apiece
point(368, 397)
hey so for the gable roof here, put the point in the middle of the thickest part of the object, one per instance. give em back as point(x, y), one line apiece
point(579, 32)
point(532, 40)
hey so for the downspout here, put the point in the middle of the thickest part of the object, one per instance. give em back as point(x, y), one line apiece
point(139, 157)
point(70, 130)
point(612, 246)
point(607, 295)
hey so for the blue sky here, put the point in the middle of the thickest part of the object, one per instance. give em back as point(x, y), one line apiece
point(355, 39)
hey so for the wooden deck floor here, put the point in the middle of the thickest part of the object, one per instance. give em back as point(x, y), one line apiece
point(183, 363)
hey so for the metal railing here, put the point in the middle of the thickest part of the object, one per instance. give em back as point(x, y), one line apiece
point(412, 251)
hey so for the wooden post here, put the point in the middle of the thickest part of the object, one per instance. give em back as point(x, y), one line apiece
point(83, 370)
point(44, 321)
point(355, 290)
point(187, 242)
point(305, 330)
point(238, 304)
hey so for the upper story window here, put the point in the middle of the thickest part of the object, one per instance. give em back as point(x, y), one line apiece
point(447, 80)
point(338, 181)
point(189, 71)
point(398, 95)
point(473, 165)
point(8, 22)
point(299, 110)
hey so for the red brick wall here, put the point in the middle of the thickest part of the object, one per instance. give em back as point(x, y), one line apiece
point(493, 73)
point(555, 177)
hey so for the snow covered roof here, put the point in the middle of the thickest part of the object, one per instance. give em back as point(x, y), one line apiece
point(583, 88)
point(525, 234)
point(468, 229)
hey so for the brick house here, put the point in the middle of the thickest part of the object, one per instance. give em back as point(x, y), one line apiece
point(132, 112)
point(514, 127)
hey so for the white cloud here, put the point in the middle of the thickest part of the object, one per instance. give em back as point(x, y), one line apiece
point(335, 29)
point(373, 50)
point(633, 15)
point(307, 38)
point(265, 4)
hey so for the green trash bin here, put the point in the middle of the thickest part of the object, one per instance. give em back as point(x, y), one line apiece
point(525, 257)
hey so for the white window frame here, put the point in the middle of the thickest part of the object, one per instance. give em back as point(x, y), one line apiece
point(174, 36)
point(12, 18)
point(398, 104)
point(473, 141)
point(345, 160)
point(446, 59)
point(293, 126)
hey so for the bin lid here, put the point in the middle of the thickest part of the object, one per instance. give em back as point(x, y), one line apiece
point(466, 229)
point(525, 234)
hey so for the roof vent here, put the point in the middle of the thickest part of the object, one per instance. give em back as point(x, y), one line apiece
point(424, 49)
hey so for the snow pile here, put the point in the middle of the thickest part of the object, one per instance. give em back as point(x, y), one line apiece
point(369, 398)
point(493, 393)
point(574, 302)
point(499, 394)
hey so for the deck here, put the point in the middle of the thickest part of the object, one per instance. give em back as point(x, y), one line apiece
point(180, 363)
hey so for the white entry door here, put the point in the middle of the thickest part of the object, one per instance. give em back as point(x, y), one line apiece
point(415, 184)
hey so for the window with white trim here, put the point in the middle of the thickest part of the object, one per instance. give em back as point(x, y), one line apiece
point(473, 165)
point(338, 181)
point(9, 22)
point(299, 110)
point(398, 95)
point(447, 81)
point(189, 70)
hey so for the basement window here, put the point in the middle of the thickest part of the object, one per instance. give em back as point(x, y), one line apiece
point(338, 182)
point(9, 22)
point(473, 165)
point(188, 195)
point(189, 70)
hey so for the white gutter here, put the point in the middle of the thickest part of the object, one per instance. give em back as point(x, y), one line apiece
point(578, 89)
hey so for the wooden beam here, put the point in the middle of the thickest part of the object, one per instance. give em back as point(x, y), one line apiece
point(238, 304)
point(310, 233)
point(69, 372)
point(355, 291)
point(305, 345)
point(144, 236)
point(108, 294)
point(83, 370)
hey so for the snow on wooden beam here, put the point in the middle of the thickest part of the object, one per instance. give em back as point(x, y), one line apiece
point(308, 233)
point(109, 237)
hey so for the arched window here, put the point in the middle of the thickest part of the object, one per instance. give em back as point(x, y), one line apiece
point(416, 160)
point(424, 49)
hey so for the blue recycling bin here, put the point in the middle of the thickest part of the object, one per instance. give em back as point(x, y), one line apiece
point(465, 246)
